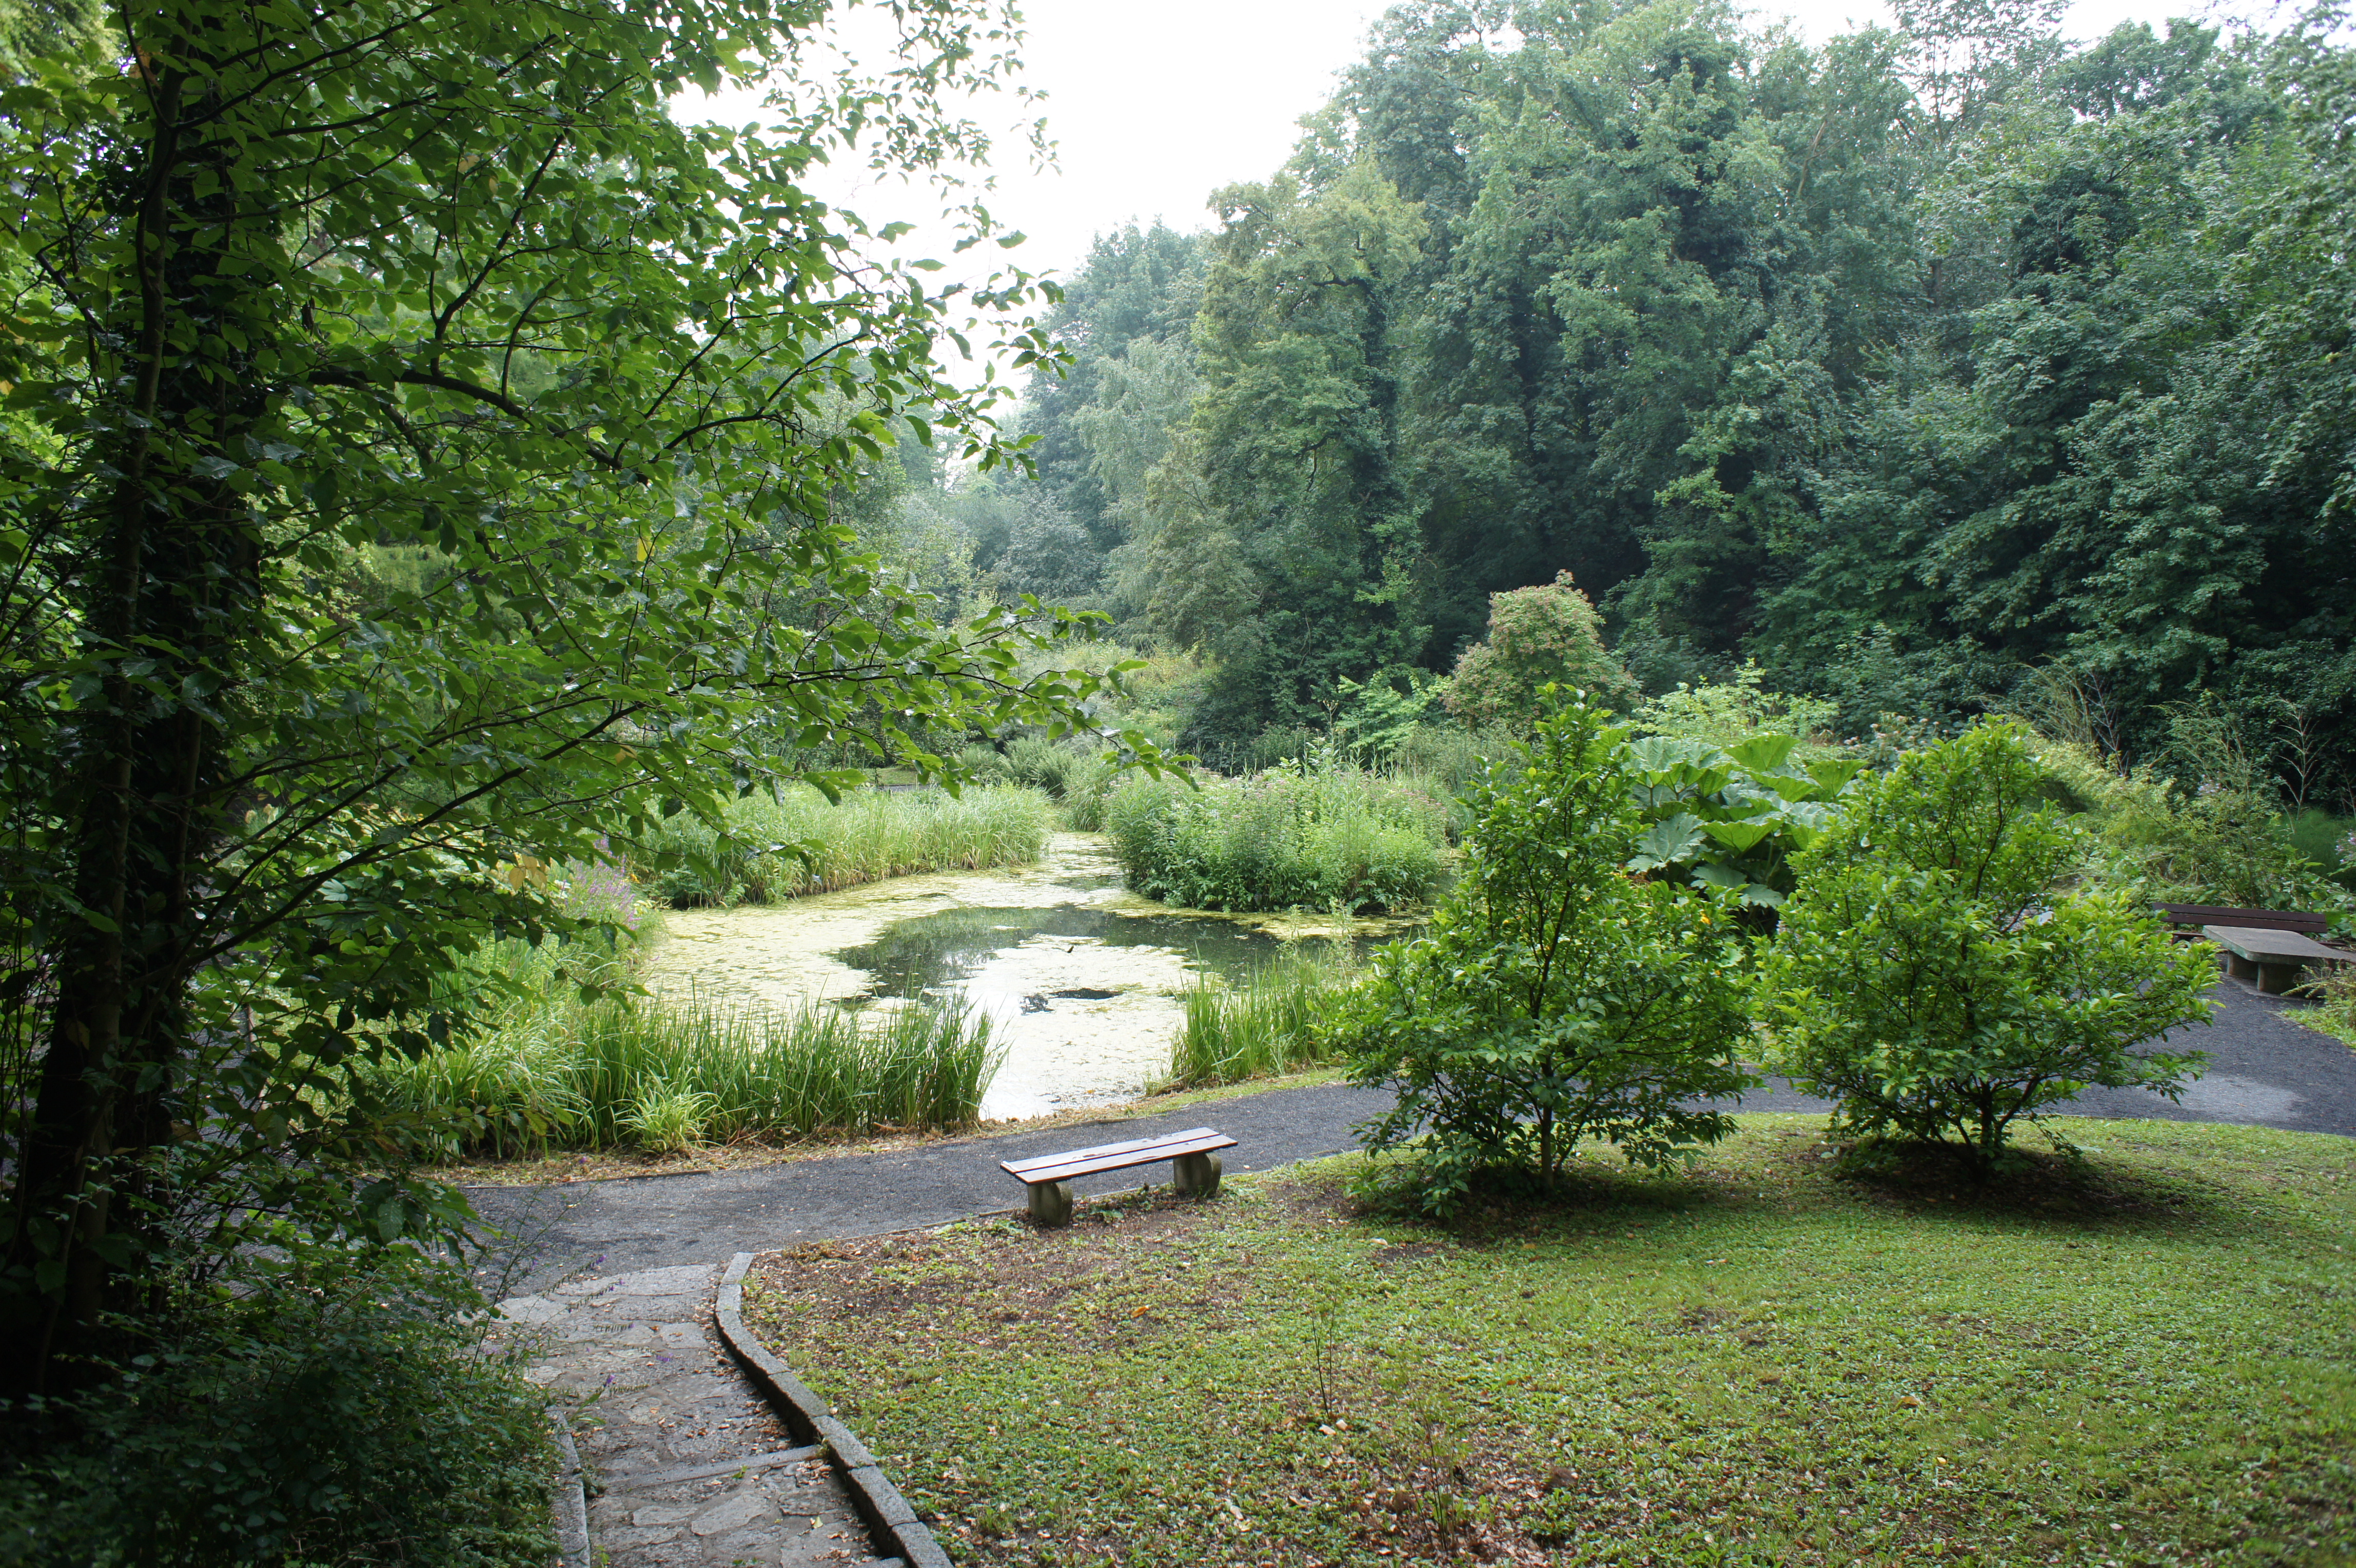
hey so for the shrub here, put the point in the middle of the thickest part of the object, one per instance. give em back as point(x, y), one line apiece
point(1931, 976)
point(1266, 1026)
point(338, 1414)
point(1324, 836)
point(1540, 636)
point(2218, 843)
point(1555, 999)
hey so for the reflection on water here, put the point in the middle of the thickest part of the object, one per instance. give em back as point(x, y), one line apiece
point(1082, 980)
point(935, 952)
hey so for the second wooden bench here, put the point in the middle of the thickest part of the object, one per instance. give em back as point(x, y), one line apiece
point(1193, 1168)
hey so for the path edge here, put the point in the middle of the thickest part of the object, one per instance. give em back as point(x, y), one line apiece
point(889, 1519)
point(570, 1501)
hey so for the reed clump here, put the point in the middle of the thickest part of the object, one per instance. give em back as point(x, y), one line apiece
point(1075, 774)
point(1326, 836)
point(797, 843)
point(1265, 1027)
point(541, 1067)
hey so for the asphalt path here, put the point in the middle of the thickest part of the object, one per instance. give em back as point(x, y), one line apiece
point(2263, 1071)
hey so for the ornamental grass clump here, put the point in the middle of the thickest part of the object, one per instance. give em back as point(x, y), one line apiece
point(1932, 974)
point(1556, 998)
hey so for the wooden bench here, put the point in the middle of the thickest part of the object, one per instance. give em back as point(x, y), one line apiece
point(2272, 958)
point(1193, 1168)
point(2186, 919)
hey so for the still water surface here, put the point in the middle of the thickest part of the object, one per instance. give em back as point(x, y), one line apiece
point(1081, 979)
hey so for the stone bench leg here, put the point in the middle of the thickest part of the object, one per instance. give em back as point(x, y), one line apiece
point(2239, 968)
point(1050, 1204)
point(1195, 1174)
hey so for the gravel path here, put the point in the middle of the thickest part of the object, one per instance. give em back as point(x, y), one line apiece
point(2263, 1071)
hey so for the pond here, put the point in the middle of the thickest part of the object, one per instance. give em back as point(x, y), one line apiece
point(1082, 980)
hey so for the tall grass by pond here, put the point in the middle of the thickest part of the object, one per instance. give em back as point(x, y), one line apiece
point(1327, 837)
point(1266, 1026)
point(871, 834)
point(1075, 774)
point(544, 1067)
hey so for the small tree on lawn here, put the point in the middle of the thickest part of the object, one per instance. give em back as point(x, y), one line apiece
point(1555, 997)
point(1931, 975)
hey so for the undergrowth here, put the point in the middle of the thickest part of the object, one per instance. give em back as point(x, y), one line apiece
point(338, 1412)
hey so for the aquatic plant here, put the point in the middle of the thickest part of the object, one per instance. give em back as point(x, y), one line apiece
point(1265, 1026)
point(535, 1064)
point(1323, 836)
point(798, 844)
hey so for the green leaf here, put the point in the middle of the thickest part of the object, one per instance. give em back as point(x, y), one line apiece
point(1741, 835)
point(1680, 838)
point(1764, 753)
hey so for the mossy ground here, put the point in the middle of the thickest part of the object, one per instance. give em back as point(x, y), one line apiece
point(2149, 1358)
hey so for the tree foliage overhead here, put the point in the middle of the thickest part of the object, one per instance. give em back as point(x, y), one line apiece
point(1909, 364)
point(419, 462)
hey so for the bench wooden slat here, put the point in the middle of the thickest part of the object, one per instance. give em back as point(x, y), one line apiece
point(1129, 1146)
point(1115, 1156)
point(2247, 919)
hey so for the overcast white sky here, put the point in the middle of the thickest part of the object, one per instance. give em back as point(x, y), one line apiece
point(1154, 107)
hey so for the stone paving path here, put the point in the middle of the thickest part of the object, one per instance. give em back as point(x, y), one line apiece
point(687, 1467)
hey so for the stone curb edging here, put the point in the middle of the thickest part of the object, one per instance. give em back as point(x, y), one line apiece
point(569, 1501)
point(893, 1524)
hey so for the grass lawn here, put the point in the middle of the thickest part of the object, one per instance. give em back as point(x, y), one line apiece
point(2152, 1361)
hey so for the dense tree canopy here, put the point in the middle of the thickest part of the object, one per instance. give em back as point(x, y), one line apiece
point(1911, 364)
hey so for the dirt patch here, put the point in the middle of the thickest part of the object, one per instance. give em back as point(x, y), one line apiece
point(1124, 1271)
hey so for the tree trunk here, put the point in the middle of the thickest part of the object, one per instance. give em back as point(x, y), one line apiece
point(178, 588)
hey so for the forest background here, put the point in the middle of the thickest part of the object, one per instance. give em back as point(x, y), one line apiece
point(1936, 370)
